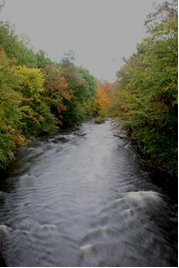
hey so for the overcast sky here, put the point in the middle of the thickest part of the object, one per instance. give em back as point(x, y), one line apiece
point(100, 32)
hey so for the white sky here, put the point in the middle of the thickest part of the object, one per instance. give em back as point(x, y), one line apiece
point(100, 32)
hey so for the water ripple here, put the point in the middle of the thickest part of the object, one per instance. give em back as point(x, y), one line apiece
point(80, 199)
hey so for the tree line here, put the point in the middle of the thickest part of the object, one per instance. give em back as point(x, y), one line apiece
point(37, 95)
point(145, 95)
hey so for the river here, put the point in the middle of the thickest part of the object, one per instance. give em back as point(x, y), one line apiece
point(80, 199)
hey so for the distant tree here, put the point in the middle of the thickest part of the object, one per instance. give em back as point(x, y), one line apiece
point(164, 12)
point(68, 59)
point(103, 99)
point(82, 89)
point(2, 4)
point(41, 59)
point(89, 83)
point(55, 90)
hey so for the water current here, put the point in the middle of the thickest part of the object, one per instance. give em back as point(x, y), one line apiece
point(80, 199)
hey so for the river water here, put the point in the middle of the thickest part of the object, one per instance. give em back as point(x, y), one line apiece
point(80, 199)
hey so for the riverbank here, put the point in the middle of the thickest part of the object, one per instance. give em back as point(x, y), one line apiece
point(162, 178)
point(168, 182)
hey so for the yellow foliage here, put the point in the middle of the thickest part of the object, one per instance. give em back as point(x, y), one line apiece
point(31, 79)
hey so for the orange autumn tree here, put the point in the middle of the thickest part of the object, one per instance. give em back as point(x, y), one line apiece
point(103, 99)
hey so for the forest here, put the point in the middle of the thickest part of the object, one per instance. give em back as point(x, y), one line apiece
point(145, 93)
point(39, 96)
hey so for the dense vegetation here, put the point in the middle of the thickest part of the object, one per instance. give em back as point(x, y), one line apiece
point(145, 95)
point(37, 96)
point(101, 105)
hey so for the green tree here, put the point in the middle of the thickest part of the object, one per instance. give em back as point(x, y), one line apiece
point(82, 89)
point(14, 47)
point(146, 90)
point(10, 113)
point(41, 59)
point(55, 91)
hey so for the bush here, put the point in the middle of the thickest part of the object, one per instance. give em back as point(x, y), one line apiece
point(99, 120)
